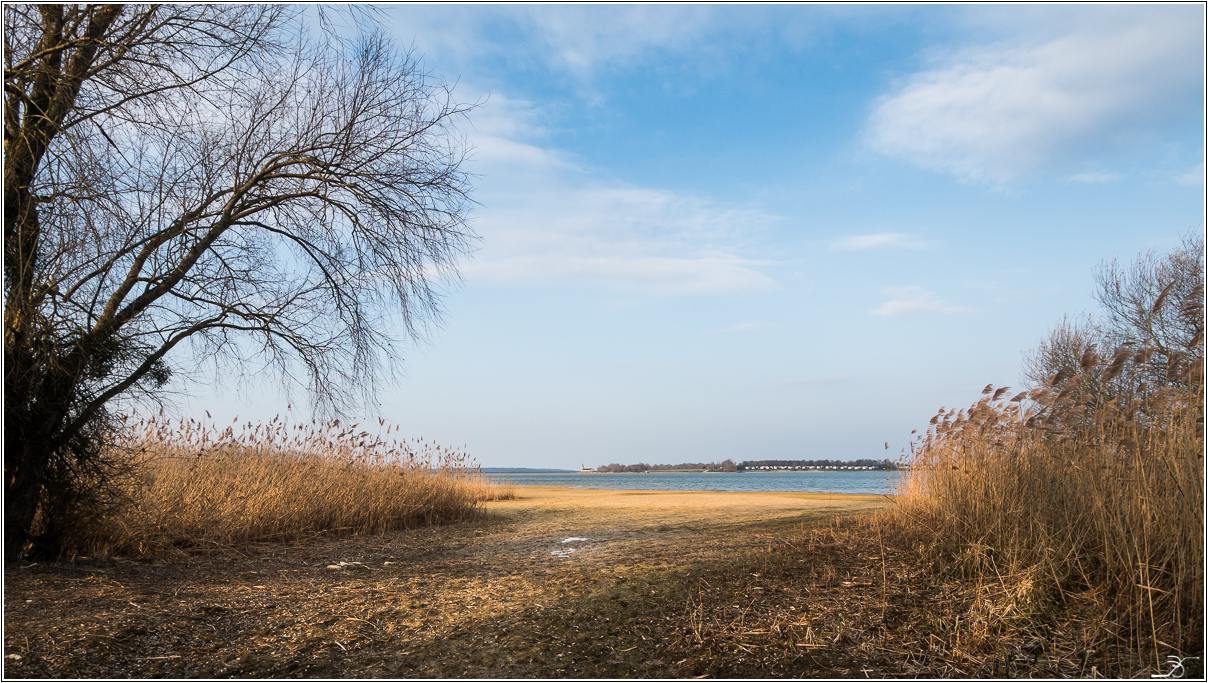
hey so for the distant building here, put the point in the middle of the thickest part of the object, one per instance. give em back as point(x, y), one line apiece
point(584, 469)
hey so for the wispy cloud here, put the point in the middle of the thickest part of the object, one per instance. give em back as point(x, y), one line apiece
point(581, 37)
point(878, 241)
point(1194, 176)
point(574, 39)
point(546, 219)
point(995, 113)
point(914, 299)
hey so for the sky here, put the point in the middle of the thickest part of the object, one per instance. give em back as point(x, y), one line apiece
point(779, 232)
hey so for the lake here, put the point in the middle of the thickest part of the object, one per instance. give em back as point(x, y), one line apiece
point(820, 482)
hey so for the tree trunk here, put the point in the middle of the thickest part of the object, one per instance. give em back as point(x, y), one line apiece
point(23, 485)
point(35, 409)
point(33, 432)
point(20, 475)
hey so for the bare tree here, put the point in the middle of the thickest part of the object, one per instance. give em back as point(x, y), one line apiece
point(1149, 340)
point(1059, 355)
point(190, 183)
point(1157, 303)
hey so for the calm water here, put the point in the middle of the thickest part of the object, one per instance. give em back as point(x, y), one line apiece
point(820, 482)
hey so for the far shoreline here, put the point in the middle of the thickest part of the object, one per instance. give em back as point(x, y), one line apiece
point(564, 473)
point(548, 490)
point(844, 482)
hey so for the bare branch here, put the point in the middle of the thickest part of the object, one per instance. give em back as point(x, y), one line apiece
point(209, 174)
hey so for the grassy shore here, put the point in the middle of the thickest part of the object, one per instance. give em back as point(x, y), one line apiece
point(664, 584)
point(486, 597)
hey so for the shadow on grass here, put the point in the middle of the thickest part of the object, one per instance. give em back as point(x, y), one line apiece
point(809, 597)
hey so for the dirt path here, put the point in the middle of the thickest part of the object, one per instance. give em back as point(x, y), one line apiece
point(507, 595)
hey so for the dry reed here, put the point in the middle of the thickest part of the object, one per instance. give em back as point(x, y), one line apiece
point(1078, 497)
point(198, 486)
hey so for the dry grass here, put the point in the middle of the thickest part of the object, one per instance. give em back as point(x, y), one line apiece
point(194, 486)
point(730, 593)
point(1062, 496)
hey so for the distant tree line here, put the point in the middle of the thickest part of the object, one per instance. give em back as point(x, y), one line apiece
point(866, 462)
point(729, 466)
point(723, 466)
point(615, 467)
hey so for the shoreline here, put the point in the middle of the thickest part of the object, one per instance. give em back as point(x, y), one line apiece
point(563, 493)
point(874, 484)
point(543, 489)
point(619, 518)
point(567, 473)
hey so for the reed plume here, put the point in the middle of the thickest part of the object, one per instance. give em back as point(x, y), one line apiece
point(196, 485)
point(1078, 495)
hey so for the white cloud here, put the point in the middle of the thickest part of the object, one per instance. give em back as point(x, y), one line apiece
point(881, 240)
point(546, 219)
point(575, 39)
point(1194, 176)
point(580, 37)
point(914, 299)
point(998, 112)
point(501, 119)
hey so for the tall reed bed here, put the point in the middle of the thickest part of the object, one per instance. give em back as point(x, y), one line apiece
point(194, 485)
point(1078, 493)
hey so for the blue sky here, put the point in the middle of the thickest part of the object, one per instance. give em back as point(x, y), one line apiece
point(755, 232)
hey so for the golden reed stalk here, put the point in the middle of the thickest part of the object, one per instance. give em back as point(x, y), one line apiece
point(1077, 495)
point(198, 486)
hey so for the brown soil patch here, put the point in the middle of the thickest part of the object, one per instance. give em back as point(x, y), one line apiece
point(666, 585)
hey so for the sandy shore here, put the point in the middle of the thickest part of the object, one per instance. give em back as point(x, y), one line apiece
point(619, 524)
point(614, 516)
point(606, 507)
